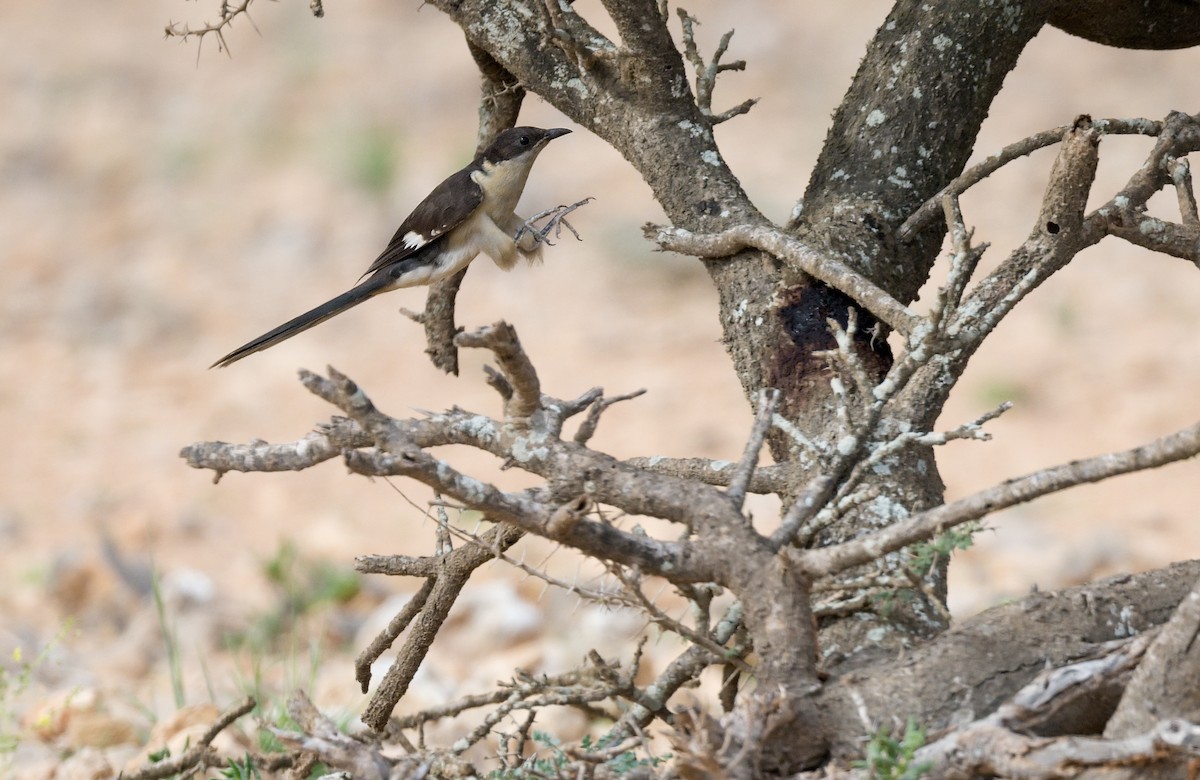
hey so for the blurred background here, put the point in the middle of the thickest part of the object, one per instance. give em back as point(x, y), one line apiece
point(162, 203)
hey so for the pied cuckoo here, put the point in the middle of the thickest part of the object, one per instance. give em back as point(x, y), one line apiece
point(468, 214)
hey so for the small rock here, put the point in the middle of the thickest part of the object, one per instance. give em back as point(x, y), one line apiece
point(195, 715)
point(87, 764)
point(180, 731)
point(96, 729)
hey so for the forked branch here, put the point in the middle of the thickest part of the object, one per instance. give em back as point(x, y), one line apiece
point(707, 72)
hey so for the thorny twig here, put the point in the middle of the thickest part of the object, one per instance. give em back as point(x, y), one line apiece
point(595, 682)
point(632, 586)
point(228, 12)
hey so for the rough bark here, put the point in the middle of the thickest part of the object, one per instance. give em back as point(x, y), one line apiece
point(971, 669)
point(1131, 24)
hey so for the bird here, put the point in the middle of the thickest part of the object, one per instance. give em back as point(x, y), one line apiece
point(472, 212)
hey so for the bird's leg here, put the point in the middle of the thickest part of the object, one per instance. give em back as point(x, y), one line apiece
point(557, 221)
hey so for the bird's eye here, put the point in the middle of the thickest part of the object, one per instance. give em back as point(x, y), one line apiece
point(523, 140)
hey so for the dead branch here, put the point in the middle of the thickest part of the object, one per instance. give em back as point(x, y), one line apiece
point(989, 750)
point(502, 340)
point(198, 755)
point(320, 736)
point(771, 478)
point(587, 428)
point(1180, 136)
point(596, 681)
point(1174, 447)
point(433, 602)
point(1056, 690)
point(636, 597)
point(928, 211)
point(395, 627)
point(1043, 629)
point(775, 242)
point(398, 451)
point(1163, 684)
point(1125, 215)
point(329, 441)
point(707, 72)
point(740, 480)
point(438, 320)
point(681, 671)
point(1168, 238)
point(1057, 236)
point(228, 12)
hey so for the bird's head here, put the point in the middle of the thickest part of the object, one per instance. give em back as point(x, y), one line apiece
point(521, 142)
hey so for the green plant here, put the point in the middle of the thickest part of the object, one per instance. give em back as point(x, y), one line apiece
point(170, 640)
point(890, 759)
point(924, 555)
point(302, 586)
point(241, 770)
point(13, 682)
point(159, 755)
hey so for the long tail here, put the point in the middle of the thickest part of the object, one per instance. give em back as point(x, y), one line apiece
point(352, 297)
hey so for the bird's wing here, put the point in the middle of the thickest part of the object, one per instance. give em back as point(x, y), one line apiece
point(447, 207)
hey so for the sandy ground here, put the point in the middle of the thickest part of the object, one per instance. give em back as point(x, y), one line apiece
point(160, 207)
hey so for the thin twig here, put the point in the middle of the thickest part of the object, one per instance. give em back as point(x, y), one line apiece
point(395, 627)
point(740, 481)
point(707, 72)
point(1177, 446)
point(1181, 177)
point(587, 428)
point(980, 171)
point(198, 753)
point(669, 623)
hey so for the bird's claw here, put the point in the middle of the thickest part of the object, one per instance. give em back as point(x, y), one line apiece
point(557, 221)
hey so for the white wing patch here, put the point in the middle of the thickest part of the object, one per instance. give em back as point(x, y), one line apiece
point(414, 240)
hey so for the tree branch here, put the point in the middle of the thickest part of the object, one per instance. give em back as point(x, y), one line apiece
point(740, 480)
point(1131, 24)
point(707, 72)
point(1058, 235)
point(197, 754)
point(433, 602)
point(823, 266)
point(1181, 445)
point(1164, 684)
point(929, 210)
point(502, 340)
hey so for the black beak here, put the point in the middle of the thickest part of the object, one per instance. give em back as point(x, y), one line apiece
point(553, 133)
